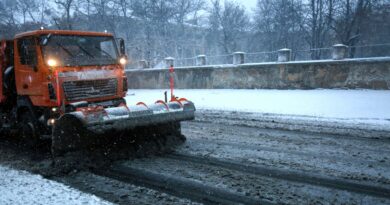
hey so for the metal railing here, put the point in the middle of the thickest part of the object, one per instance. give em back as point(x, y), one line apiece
point(336, 52)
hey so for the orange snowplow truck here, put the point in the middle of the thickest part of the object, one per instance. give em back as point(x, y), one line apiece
point(69, 87)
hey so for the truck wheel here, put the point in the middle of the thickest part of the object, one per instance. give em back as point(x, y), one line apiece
point(28, 130)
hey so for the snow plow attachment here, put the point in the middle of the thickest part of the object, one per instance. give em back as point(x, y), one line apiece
point(90, 127)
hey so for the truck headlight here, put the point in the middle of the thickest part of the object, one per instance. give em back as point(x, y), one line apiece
point(123, 60)
point(52, 62)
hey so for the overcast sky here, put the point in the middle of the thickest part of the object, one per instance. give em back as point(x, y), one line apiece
point(249, 4)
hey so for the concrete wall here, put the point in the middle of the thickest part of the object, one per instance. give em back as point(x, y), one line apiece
point(371, 73)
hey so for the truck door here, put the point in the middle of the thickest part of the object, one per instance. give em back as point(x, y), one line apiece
point(26, 68)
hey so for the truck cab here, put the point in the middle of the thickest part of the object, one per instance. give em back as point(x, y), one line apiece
point(46, 73)
point(86, 64)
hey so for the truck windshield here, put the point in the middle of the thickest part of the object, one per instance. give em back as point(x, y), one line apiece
point(74, 50)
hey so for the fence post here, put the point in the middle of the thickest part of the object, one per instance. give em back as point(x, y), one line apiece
point(284, 55)
point(238, 58)
point(143, 64)
point(201, 60)
point(169, 61)
point(339, 52)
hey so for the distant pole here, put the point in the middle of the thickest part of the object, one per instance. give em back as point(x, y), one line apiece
point(171, 72)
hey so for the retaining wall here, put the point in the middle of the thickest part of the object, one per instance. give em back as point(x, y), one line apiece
point(369, 73)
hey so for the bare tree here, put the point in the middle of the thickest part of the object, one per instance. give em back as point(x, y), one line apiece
point(184, 8)
point(318, 25)
point(27, 7)
point(155, 29)
point(8, 23)
point(349, 21)
point(105, 14)
point(65, 5)
point(228, 23)
point(277, 24)
point(45, 12)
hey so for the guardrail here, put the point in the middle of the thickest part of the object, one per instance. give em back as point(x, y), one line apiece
point(336, 52)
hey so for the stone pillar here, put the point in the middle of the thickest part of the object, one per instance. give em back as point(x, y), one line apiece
point(284, 55)
point(340, 51)
point(238, 58)
point(169, 62)
point(201, 60)
point(143, 64)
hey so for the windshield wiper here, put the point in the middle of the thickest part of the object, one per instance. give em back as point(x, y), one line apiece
point(105, 52)
point(65, 49)
point(85, 51)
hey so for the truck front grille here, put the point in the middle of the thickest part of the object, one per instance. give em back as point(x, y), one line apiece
point(80, 90)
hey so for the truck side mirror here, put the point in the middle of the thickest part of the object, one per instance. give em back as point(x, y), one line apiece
point(45, 40)
point(122, 47)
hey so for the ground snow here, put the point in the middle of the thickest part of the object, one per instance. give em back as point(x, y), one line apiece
point(362, 105)
point(21, 187)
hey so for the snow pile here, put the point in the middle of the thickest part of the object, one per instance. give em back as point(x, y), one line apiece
point(362, 105)
point(21, 187)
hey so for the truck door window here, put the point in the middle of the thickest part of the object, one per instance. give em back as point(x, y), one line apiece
point(27, 52)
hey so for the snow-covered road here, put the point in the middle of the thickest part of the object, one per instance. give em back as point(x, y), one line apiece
point(217, 131)
point(362, 105)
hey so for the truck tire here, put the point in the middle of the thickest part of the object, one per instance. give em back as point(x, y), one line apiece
point(28, 130)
